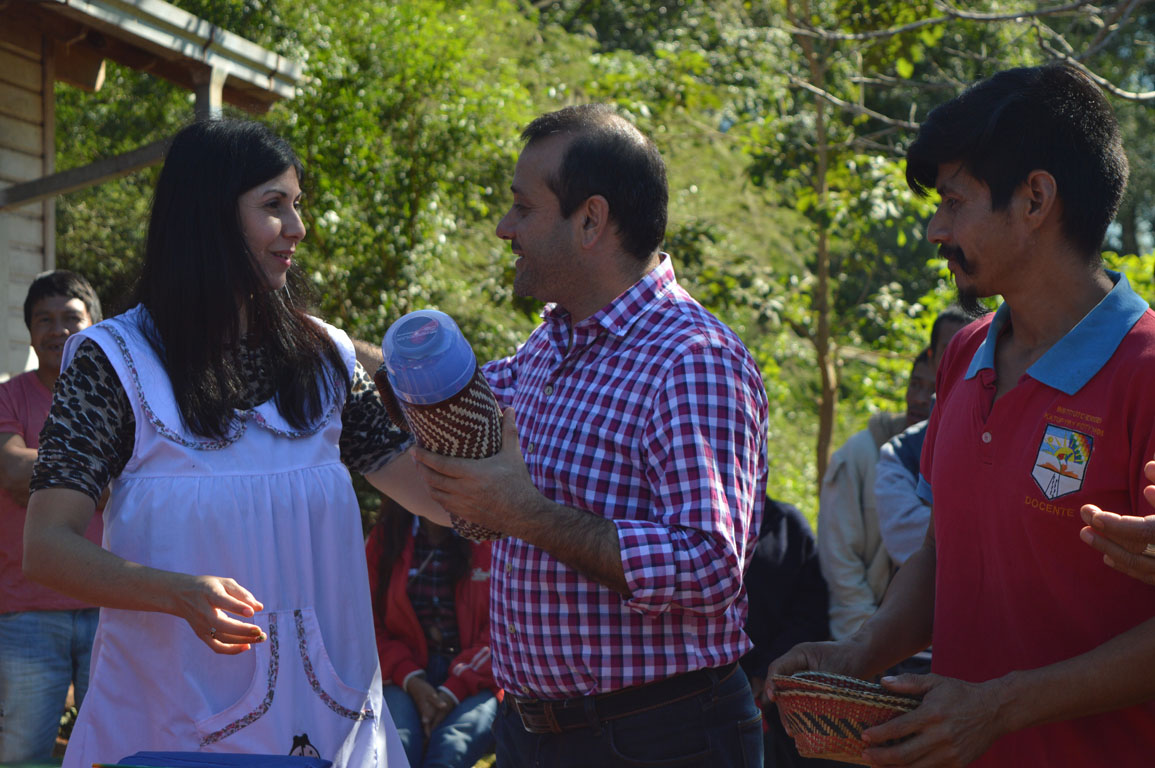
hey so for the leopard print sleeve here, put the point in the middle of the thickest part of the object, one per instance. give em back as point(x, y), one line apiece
point(89, 435)
point(368, 438)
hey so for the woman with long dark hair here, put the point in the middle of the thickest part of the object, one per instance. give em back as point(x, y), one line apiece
point(235, 610)
point(430, 592)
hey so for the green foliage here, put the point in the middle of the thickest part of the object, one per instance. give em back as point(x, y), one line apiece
point(1139, 270)
point(406, 156)
point(408, 126)
point(100, 230)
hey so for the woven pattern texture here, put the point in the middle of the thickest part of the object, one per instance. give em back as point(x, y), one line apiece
point(826, 714)
point(465, 426)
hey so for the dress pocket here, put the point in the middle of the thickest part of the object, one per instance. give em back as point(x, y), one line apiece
point(296, 692)
point(258, 698)
point(348, 701)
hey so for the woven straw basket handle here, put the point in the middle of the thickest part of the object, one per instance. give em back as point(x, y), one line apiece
point(389, 400)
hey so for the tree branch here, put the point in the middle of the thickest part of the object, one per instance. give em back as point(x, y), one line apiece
point(955, 13)
point(849, 107)
point(949, 12)
point(875, 35)
point(800, 330)
point(894, 82)
point(1102, 82)
point(1111, 25)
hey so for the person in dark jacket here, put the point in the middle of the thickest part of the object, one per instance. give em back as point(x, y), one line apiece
point(788, 605)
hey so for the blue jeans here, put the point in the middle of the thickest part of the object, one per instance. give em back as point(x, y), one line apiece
point(719, 728)
point(458, 741)
point(41, 654)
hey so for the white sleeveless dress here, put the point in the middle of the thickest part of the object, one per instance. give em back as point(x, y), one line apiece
point(273, 508)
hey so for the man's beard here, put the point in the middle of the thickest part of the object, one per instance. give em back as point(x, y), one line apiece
point(968, 301)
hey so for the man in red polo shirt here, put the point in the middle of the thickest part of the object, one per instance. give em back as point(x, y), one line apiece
point(1042, 656)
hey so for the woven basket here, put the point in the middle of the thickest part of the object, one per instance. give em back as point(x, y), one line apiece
point(467, 425)
point(826, 714)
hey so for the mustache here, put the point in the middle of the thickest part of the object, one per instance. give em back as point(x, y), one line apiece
point(955, 254)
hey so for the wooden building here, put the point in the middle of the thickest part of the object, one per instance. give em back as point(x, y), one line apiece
point(44, 41)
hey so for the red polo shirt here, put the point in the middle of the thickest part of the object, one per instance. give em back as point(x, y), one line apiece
point(1015, 587)
point(24, 404)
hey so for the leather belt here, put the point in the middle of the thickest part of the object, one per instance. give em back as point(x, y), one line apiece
point(556, 716)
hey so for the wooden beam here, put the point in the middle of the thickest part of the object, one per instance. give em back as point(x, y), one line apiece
point(67, 23)
point(83, 177)
point(79, 65)
point(210, 83)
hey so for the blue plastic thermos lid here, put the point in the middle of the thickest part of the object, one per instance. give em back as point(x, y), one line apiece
point(427, 357)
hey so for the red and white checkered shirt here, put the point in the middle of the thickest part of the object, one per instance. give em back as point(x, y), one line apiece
point(654, 417)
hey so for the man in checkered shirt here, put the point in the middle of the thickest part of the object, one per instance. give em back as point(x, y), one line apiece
point(631, 477)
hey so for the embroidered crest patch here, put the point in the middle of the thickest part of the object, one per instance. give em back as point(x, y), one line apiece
point(1062, 461)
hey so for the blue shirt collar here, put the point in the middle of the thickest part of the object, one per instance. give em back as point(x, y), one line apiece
point(1086, 348)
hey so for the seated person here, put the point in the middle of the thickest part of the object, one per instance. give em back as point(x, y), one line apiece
point(430, 591)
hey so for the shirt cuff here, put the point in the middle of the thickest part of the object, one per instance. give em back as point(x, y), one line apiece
point(648, 565)
point(924, 491)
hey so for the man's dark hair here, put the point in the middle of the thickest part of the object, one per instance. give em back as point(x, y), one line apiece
point(952, 314)
point(61, 282)
point(924, 357)
point(1051, 118)
point(608, 156)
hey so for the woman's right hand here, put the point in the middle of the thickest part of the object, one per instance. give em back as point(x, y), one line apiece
point(54, 533)
point(206, 602)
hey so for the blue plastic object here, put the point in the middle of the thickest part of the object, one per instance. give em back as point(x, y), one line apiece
point(427, 358)
point(221, 760)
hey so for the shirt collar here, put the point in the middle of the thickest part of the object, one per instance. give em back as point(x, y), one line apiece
point(1074, 359)
point(617, 316)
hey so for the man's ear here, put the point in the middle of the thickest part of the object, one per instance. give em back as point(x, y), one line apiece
point(1041, 196)
point(594, 219)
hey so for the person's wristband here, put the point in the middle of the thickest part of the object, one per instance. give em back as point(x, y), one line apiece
point(452, 696)
point(405, 683)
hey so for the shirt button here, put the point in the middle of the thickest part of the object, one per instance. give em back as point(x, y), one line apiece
point(986, 437)
point(549, 389)
point(529, 448)
point(509, 567)
point(512, 630)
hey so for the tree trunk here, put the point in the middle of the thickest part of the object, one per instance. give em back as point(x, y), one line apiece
point(825, 349)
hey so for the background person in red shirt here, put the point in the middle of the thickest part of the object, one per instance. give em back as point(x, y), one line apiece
point(45, 637)
point(430, 592)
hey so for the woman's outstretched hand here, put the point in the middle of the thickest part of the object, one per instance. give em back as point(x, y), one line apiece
point(209, 603)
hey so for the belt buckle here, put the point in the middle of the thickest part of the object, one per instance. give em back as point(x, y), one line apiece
point(542, 721)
